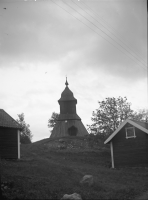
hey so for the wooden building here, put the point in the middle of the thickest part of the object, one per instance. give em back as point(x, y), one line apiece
point(129, 144)
point(69, 123)
point(9, 136)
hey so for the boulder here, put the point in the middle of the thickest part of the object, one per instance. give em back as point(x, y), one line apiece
point(73, 196)
point(87, 179)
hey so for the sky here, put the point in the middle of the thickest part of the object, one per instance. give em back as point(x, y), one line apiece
point(100, 45)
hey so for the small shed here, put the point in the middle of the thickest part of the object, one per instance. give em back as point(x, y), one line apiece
point(9, 136)
point(129, 144)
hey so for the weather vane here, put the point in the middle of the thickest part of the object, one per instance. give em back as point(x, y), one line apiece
point(66, 83)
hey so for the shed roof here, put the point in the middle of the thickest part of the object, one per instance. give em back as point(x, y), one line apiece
point(7, 121)
point(143, 124)
point(140, 125)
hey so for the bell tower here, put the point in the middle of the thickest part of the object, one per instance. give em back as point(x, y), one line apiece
point(69, 123)
point(67, 104)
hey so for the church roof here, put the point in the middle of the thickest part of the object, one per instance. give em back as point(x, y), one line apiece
point(68, 117)
point(67, 94)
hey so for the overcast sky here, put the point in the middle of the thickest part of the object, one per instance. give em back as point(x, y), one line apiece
point(101, 45)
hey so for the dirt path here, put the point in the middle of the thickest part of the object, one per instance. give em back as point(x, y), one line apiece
point(144, 196)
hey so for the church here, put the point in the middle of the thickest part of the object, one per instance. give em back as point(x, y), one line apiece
point(68, 123)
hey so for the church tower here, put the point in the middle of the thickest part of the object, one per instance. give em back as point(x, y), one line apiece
point(69, 123)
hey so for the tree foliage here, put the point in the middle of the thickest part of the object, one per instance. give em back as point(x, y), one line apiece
point(26, 135)
point(53, 120)
point(141, 115)
point(111, 113)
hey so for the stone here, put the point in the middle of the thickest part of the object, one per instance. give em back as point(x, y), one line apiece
point(73, 196)
point(87, 179)
point(61, 140)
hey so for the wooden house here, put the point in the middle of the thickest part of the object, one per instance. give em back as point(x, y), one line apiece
point(129, 144)
point(68, 123)
point(9, 136)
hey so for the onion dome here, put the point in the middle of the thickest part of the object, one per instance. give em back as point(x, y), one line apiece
point(67, 94)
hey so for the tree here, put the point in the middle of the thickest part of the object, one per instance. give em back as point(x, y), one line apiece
point(110, 114)
point(141, 115)
point(53, 120)
point(26, 135)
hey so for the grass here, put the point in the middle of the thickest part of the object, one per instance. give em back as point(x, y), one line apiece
point(47, 172)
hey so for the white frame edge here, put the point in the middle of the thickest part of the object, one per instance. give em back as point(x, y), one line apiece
point(134, 136)
point(112, 154)
point(18, 137)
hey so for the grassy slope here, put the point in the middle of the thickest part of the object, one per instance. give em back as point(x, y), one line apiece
point(47, 173)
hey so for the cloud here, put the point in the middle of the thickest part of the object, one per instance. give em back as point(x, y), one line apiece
point(42, 32)
point(39, 37)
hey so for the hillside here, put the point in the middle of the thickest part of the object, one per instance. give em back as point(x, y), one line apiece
point(48, 169)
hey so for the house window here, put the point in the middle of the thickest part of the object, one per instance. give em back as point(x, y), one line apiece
point(130, 132)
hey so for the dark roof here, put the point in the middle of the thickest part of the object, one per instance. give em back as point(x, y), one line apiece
point(68, 117)
point(143, 124)
point(67, 95)
point(7, 121)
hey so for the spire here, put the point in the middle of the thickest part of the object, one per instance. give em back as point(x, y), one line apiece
point(66, 83)
point(67, 94)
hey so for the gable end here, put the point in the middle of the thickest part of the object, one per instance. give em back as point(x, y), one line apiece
point(133, 123)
